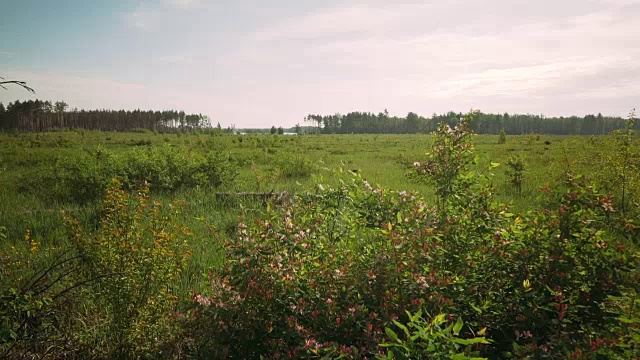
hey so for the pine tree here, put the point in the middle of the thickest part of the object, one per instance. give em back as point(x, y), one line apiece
point(503, 137)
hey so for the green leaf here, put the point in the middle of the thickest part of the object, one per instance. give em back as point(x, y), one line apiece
point(458, 326)
point(392, 335)
point(477, 309)
point(401, 326)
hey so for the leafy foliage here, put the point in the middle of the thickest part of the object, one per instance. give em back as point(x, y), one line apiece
point(515, 171)
point(435, 339)
point(295, 166)
point(502, 139)
point(451, 155)
point(84, 177)
point(136, 257)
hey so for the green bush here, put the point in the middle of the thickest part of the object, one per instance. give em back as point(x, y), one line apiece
point(134, 261)
point(515, 171)
point(434, 339)
point(83, 177)
point(295, 166)
point(502, 139)
point(327, 275)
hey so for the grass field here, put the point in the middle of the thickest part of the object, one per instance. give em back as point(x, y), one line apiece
point(380, 159)
point(33, 206)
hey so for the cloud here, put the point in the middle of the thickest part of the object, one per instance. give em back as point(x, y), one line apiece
point(252, 62)
point(143, 18)
point(184, 4)
point(178, 59)
point(584, 76)
point(149, 16)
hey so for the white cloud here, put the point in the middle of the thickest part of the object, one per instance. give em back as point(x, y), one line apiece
point(183, 3)
point(231, 61)
point(178, 59)
point(143, 18)
point(546, 79)
point(150, 16)
point(437, 56)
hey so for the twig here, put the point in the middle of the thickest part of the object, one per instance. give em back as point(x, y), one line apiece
point(17, 82)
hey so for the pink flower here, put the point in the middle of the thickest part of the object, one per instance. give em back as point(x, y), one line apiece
point(309, 343)
point(202, 300)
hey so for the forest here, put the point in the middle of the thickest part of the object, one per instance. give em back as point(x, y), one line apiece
point(512, 124)
point(36, 115)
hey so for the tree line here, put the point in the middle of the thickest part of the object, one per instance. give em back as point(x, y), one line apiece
point(513, 124)
point(37, 115)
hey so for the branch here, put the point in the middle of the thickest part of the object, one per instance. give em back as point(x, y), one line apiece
point(16, 82)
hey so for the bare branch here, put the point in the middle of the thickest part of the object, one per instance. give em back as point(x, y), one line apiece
point(17, 82)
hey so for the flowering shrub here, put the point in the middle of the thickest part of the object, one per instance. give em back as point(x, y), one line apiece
point(332, 275)
point(327, 276)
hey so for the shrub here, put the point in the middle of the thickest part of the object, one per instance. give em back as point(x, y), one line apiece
point(326, 275)
point(169, 169)
point(502, 139)
point(434, 339)
point(106, 293)
point(79, 178)
point(515, 171)
point(83, 177)
point(135, 258)
point(295, 166)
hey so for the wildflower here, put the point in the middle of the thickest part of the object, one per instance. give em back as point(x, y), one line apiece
point(310, 343)
point(606, 204)
point(202, 300)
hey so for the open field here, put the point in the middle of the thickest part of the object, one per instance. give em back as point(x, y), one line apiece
point(47, 177)
point(380, 159)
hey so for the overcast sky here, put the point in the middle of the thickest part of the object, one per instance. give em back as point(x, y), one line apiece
point(254, 63)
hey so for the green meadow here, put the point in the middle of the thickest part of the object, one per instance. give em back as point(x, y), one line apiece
point(58, 186)
point(264, 163)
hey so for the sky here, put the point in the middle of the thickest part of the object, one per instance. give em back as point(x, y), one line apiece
point(257, 63)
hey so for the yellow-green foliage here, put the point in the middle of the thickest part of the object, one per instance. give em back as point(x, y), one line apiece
point(135, 259)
